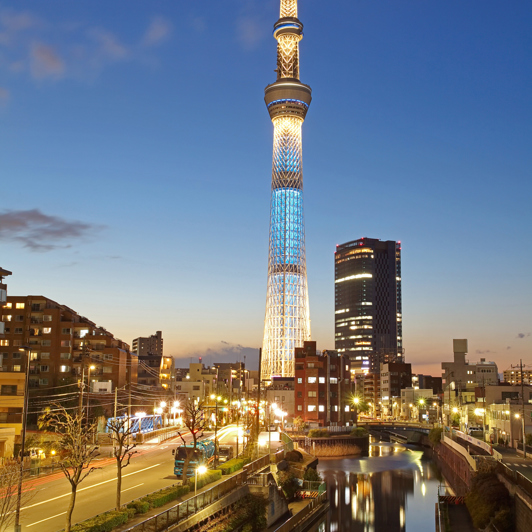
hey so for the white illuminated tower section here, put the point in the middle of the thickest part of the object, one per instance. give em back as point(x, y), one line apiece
point(287, 322)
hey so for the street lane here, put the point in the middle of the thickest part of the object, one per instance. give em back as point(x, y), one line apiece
point(150, 470)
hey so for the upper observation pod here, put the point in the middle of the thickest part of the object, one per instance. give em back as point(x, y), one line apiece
point(288, 96)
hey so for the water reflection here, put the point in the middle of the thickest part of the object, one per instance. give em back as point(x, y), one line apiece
point(393, 489)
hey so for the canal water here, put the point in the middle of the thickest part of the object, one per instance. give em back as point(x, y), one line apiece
point(394, 489)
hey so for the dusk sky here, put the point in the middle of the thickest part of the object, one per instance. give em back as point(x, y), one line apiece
point(135, 165)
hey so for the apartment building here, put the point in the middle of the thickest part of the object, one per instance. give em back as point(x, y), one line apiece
point(323, 388)
point(63, 346)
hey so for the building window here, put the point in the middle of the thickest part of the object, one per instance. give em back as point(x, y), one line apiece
point(8, 389)
point(45, 355)
point(47, 330)
point(312, 380)
point(43, 382)
point(299, 380)
point(65, 356)
point(47, 317)
point(107, 356)
point(300, 407)
point(17, 367)
point(16, 354)
point(45, 369)
point(19, 317)
point(310, 365)
point(312, 394)
point(19, 305)
point(65, 343)
point(196, 388)
point(66, 331)
point(8, 305)
point(6, 317)
point(107, 369)
point(34, 355)
point(321, 408)
point(4, 342)
point(300, 394)
point(64, 369)
point(333, 380)
point(321, 380)
point(346, 409)
point(47, 342)
point(335, 408)
point(311, 408)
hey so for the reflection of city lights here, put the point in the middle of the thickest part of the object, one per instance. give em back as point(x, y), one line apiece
point(423, 489)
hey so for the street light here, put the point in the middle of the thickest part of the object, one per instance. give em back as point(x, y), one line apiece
point(356, 400)
point(200, 469)
point(26, 349)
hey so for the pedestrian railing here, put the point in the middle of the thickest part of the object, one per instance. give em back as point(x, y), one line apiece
point(516, 477)
point(295, 522)
point(187, 508)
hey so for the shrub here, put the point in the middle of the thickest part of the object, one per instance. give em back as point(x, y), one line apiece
point(312, 475)
point(359, 432)
point(288, 483)
point(155, 500)
point(435, 436)
point(210, 476)
point(318, 433)
point(504, 520)
point(293, 456)
point(232, 465)
point(103, 523)
point(487, 497)
point(140, 506)
point(529, 439)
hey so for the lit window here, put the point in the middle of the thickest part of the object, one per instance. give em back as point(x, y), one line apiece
point(311, 380)
point(33, 355)
point(64, 369)
point(346, 409)
point(321, 408)
point(47, 317)
point(333, 380)
point(321, 380)
point(65, 356)
point(311, 408)
point(17, 368)
point(300, 407)
point(4, 342)
point(8, 305)
point(312, 394)
point(47, 330)
point(19, 305)
point(7, 317)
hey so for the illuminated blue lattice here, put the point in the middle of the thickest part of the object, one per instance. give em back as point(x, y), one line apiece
point(287, 231)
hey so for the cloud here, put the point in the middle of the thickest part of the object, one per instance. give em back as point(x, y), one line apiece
point(158, 31)
point(40, 232)
point(108, 44)
point(224, 352)
point(250, 32)
point(479, 352)
point(45, 62)
point(4, 95)
point(12, 23)
point(523, 335)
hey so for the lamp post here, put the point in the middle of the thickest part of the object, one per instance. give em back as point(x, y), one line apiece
point(26, 349)
point(216, 399)
point(356, 400)
point(201, 469)
point(421, 403)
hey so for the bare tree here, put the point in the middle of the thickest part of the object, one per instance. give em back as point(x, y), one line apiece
point(75, 438)
point(9, 478)
point(120, 432)
point(194, 420)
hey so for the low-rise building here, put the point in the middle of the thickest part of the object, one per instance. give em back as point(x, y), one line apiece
point(323, 387)
point(418, 404)
point(393, 378)
point(506, 423)
point(12, 385)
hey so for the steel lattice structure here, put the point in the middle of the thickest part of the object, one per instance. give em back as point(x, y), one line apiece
point(287, 321)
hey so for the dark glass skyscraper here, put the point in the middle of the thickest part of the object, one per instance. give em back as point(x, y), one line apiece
point(368, 311)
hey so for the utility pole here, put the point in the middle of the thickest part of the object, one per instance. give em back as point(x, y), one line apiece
point(523, 407)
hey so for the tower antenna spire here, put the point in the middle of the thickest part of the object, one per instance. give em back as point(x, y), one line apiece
point(287, 320)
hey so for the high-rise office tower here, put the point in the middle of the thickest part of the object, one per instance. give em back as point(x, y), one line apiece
point(368, 314)
point(287, 322)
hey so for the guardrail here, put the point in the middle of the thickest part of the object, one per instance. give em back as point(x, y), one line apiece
point(187, 508)
point(478, 443)
point(294, 522)
point(516, 477)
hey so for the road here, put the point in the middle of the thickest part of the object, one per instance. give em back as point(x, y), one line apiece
point(151, 469)
point(515, 461)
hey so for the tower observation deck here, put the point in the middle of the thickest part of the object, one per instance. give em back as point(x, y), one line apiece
point(287, 321)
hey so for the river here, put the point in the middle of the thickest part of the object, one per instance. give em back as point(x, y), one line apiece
point(392, 490)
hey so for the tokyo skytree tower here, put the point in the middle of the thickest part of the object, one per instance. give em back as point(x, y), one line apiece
point(287, 321)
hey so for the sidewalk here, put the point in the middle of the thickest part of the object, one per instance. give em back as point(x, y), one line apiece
point(459, 518)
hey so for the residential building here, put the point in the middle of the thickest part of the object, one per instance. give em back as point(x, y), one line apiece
point(231, 379)
point(513, 376)
point(149, 345)
point(281, 392)
point(368, 308)
point(323, 386)
point(372, 393)
point(394, 377)
point(196, 382)
point(506, 423)
point(64, 346)
point(428, 381)
point(3, 296)
point(157, 371)
point(460, 378)
point(417, 404)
